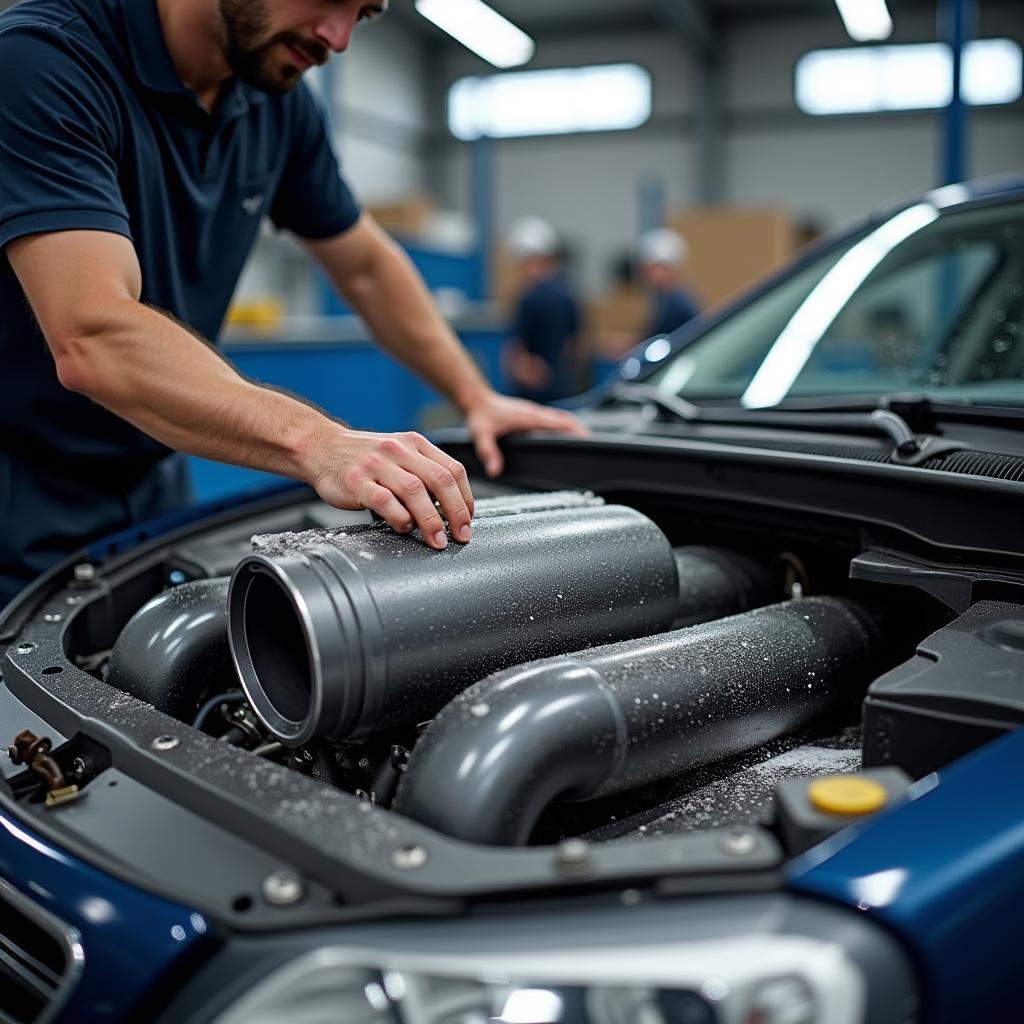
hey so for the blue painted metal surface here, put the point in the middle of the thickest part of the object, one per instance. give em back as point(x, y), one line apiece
point(956, 23)
point(484, 190)
point(463, 272)
point(130, 938)
point(652, 204)
point(946, 873)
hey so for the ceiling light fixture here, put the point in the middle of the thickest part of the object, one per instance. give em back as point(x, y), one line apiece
point(865, 20)
point(481, 29)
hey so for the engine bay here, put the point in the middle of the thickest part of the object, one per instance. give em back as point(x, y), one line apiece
point(593, 671)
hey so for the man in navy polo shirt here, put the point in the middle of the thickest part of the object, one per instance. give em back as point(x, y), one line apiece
point(141, 142)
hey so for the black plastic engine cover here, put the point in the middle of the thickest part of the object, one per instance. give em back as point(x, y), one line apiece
point(963, 687)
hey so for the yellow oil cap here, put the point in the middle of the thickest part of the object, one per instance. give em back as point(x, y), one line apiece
point(847, 794)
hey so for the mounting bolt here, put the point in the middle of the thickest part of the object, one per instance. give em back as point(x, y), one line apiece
point(85, 572)
point(283, 887)
point(739, 844)
point(74, 599)
point(25, 648)
point(573, 855)
point(409, 858)
point(165, 742)
point(80, 767)
point(53, 617)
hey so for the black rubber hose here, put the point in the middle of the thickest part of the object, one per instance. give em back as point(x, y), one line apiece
point(618, 717)
point(339, 635)
point(175, 648)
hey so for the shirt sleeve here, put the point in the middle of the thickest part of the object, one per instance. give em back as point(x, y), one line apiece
point(59, 136)
point(312, 198)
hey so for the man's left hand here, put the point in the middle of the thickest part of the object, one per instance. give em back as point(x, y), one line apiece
point(498, 415)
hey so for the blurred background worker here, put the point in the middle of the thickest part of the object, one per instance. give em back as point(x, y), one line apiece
point(661, 255)
point(540, 357)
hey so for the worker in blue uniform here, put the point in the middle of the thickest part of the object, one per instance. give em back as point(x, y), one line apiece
point(661, 255)
point(540, 356)
point(141, 144)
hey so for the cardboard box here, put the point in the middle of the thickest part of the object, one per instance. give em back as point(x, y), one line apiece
point(409, 218)
point(733, 249)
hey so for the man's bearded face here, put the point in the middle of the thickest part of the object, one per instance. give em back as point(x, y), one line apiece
point(273, 62)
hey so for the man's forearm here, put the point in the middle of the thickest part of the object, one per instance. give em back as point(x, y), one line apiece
point(148, 369)
point(388, 292)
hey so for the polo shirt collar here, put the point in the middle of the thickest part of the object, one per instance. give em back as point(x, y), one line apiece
point(148, 50)
point(156, 71)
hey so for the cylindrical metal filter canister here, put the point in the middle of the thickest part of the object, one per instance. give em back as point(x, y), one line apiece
point(370, 630)
point(617, 717)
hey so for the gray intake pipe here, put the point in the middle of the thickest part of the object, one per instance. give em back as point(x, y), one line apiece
point(618, 717)
point(175, 647)
point(337, 635)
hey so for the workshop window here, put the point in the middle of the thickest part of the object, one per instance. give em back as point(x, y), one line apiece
point(873, 79)
point(612, 97)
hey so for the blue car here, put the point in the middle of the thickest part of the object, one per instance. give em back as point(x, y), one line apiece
point(715, 720)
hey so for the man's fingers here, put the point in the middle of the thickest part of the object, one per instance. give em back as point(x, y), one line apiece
point(489, 453)
point(454, 467)
point(411, 492)
point(559, 419)
point(379, 499)
point(442, 485)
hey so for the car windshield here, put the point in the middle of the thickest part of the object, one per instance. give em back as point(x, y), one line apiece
point(927, 302)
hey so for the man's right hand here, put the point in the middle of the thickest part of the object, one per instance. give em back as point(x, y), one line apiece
point(398, 476)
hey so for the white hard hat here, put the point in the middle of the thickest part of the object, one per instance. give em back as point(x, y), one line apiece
point(531, 236)
point(663, 247)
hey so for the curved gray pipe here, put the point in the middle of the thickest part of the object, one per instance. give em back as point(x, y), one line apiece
point(343, 635)
point(617, 717)
point(174, 647)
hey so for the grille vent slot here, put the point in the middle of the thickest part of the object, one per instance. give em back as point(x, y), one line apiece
point(37, 960)
point(965, 463)
point(997, 467)
point(833, 451)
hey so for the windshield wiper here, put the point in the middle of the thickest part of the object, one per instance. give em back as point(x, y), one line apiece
point(922, 412)
point(880, 421)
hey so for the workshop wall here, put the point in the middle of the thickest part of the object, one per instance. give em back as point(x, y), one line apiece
point(825, 171)
point(383, 112)
point(833, 170)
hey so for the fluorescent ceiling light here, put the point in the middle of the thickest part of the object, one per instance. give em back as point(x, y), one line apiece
point(865, 20)
point(610, 97)
point(919, 76)
point(481, 29)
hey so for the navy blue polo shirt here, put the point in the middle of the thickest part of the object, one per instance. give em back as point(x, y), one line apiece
point(98, 132)
point(672, 309)
point(547, 320)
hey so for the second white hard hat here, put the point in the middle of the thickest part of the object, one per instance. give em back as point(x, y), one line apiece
point(662, 246)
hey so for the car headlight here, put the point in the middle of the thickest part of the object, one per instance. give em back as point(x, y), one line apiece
point(761, 979)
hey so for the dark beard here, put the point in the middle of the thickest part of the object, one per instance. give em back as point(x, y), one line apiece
point(246, 24)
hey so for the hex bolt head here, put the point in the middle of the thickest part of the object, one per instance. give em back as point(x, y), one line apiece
point(74, 599)
point(53, 617)
point(409, 858)
point(165, 742)
point(738, 844)
point(573, 855)
point(85, 572)
point(26, 647)
point(283, 887)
